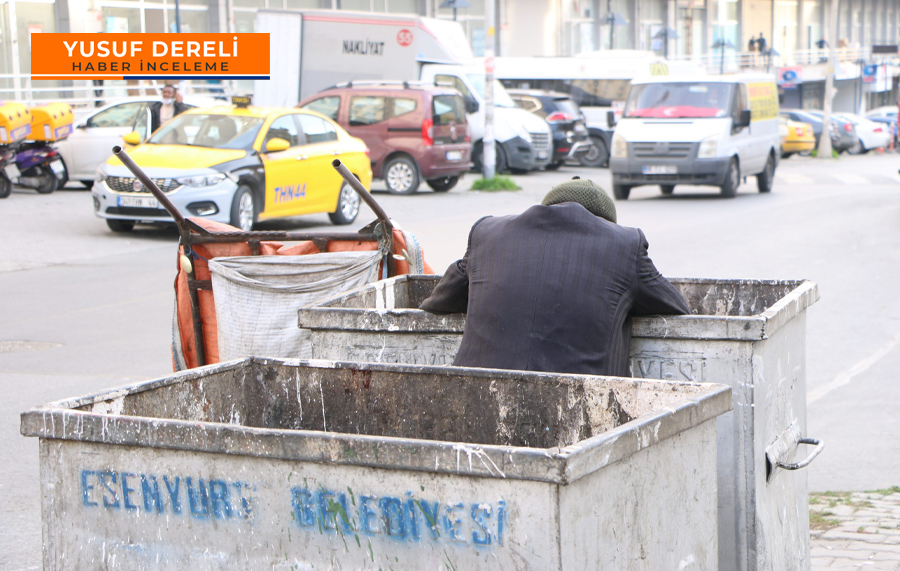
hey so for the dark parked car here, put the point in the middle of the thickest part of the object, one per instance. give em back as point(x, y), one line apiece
point(413, 132)
point(570, 135)
point(841, 138)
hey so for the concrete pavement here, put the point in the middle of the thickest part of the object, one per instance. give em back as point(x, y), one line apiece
point(859, 530)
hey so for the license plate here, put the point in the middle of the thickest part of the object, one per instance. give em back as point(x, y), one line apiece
point(454, 155)
point(661, 169)
point(57, 167)
point(542, 154)
point(12, 172)
point(139, 201)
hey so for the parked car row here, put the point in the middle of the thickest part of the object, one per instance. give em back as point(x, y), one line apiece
point(849, 132)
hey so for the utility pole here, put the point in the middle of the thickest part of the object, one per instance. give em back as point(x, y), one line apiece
point(489, 156)
point(824, 151)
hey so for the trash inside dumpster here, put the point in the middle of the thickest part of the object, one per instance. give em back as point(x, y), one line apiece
point(263, 463)
point(750, 334)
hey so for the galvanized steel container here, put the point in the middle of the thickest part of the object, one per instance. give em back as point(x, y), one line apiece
point(749, 334)
point(269, 464)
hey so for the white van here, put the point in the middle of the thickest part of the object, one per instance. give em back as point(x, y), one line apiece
point(706, 130)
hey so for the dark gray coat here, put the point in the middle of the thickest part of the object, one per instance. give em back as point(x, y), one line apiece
point(551, 290)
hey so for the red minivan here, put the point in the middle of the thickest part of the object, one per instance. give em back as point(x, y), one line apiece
point(413, 131)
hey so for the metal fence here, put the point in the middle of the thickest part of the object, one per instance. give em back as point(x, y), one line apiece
point(729, 61)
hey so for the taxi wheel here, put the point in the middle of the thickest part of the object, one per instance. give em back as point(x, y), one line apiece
point(347, 207)
point(120, 225)
point(243, 209)
point(401, 176)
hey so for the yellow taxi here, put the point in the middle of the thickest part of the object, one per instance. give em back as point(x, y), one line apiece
point(796, 137)
point(236, 164)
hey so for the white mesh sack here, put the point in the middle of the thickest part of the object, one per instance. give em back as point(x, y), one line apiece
point(257, 298)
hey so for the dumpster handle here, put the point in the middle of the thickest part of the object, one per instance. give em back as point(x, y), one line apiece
point(819, 445)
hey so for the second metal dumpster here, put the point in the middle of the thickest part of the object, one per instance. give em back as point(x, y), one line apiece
point(269, 464)
point(750, 334)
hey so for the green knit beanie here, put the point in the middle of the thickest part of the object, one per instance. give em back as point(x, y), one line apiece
point(586, 193)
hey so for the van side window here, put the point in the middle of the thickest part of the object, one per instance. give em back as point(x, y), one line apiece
point(448, 109)
point(366, 110)
point(317, 130)
point(454, 82)
point(327, 106)
point(283, 128)
point(404, 106)
point(736, 103)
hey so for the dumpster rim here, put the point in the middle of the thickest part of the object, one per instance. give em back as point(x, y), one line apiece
point(554, 465)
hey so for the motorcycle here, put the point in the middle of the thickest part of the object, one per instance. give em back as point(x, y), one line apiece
point(41, 166)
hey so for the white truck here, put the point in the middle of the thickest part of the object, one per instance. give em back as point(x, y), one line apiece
point(314, 50)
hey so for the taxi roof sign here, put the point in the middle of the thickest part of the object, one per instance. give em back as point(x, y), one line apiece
point(240, 101)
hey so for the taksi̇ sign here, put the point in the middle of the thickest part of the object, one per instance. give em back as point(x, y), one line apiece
point(150, 56)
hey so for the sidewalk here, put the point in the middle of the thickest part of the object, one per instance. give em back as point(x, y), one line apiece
point(855, 530)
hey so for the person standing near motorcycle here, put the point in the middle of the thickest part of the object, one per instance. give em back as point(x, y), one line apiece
point(169, 107)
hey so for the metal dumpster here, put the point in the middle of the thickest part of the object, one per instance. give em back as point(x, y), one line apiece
point(271, 464)
point(750, 334)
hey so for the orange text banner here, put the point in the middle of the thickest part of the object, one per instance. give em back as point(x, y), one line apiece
point(149, 56)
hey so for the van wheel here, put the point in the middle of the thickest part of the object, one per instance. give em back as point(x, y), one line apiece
point(621, 191)
point(765, 179)
point(597, 155)
point(667, 189)
point(443, 184)
point(401, 176)
point(120, 225)
point(732, 180)
point(347, 206)
point(243, 209)
point(478, 156)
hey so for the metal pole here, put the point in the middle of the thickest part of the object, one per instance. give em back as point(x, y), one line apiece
point(177, 18)
point(489, 155)
point(824, 151)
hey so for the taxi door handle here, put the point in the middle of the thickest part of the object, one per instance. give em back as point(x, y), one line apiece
point(301, 158)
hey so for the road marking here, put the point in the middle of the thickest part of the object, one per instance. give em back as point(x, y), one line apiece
point(793, 178)
point(854, 371)
point(848, 178)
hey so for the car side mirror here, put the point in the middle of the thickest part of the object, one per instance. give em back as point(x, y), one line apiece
point(611, 119)
point(472, 105)
point(132, 138)
point(276, 145)
point(81, 126)
point(744, 118)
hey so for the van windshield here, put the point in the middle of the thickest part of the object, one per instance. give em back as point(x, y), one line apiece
point(673, 100)
point(501, 97)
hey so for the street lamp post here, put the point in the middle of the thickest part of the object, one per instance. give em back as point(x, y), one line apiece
point(720, 45)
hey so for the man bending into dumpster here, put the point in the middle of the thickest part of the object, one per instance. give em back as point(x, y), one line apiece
point(551, 289)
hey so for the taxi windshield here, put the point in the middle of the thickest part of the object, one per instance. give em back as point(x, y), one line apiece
point(673, 100)
point(207, 130)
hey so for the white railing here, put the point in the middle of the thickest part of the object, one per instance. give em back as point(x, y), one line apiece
point(83, 95)
point(730, 61)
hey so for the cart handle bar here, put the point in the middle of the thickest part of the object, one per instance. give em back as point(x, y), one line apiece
point(120, 153)
point(365, 195)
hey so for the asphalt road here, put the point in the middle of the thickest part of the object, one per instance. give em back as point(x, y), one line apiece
point(82, 309)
